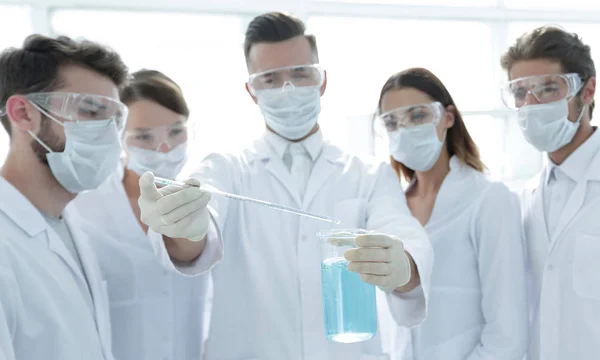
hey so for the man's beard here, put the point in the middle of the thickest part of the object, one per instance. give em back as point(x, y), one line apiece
point(48, 137)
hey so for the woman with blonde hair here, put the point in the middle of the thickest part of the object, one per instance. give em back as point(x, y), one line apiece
point(477, 307)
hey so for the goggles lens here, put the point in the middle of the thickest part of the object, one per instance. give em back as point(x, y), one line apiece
point(409, 116)
point(540, 89)
point(295, 76)
point(153, 138)
point(81, 107)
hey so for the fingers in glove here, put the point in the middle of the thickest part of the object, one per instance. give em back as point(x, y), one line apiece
point(147, 188)
point(368, 254)
point(185, 210)
point(173, 201)
point(377, 280)
point(373, 268)
point(375, 240)
point(193, 182)
point(171, 189)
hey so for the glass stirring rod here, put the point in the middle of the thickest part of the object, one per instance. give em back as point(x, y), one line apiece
point(166, 182)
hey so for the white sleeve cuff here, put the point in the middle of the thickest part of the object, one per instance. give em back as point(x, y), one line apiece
point(408, 309)
point(211, 255)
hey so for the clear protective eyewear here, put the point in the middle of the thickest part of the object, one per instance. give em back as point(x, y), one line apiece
point(293, 76)
point(543, 88)
point(75, 107)
point(409, 116)
point(154, 138)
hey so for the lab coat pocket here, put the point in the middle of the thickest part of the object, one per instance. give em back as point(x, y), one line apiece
point(351, 212)
point(586, 268)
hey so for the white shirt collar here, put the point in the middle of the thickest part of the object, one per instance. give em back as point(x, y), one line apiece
point(576, 165)
point(313, 144)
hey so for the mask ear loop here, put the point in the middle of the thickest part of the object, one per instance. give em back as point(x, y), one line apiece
point(35, 137)
point(580, 86)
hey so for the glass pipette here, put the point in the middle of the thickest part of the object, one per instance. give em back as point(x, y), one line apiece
point(166, 182)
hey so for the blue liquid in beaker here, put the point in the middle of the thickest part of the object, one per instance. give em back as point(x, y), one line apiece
point(348, 302)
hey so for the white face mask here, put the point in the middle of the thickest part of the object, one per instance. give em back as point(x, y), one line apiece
point(546, 126)
point(418, 147)
point(291, 113)
point(91, 154)
point(166, 165)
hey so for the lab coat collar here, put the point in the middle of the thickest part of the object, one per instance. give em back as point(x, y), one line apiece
point(313, 144)
point(577, 165)
point(324, 165)
point(20, 210)
point(263, 150)
point(31, 221)
point(587, 160)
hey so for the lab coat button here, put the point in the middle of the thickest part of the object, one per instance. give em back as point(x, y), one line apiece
point(550, 267)
point(303, 238)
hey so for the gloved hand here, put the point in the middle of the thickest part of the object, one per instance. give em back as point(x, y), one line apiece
point(173, 211)
point(380, 260)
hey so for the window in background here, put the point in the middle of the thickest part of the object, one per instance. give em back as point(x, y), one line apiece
point(553, 4)
point(503, 147)
point(14, 27)
point(370, 50)
point(360, 54)
point(203, 53)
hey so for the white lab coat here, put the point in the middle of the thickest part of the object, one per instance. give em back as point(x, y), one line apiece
point(43, 314)
point(267, 290)
point(478, 304)
point(155, 313)
point(565, 271)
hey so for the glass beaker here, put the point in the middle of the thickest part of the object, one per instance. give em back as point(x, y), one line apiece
point(349, 304)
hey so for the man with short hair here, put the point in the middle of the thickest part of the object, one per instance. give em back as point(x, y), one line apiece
point(60, 105)
point(267, 290)
point(552, 86)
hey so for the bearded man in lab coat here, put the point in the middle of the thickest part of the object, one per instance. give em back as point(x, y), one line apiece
point(267, 290)
point(552, 86)
point(61, 108)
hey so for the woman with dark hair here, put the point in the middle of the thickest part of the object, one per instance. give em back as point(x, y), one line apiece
point(477, 307)
point(155, 313)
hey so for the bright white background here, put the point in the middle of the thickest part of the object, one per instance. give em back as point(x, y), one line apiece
point(199, 44)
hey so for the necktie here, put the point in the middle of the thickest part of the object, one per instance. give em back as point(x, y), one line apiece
point(300, 169)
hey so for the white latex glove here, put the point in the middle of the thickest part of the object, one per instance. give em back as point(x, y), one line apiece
point(380, 260)
point(173, 211)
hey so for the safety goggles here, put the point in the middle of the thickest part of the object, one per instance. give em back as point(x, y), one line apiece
point(155, 137)
point(291, 76)
point(75, 107)
point(409, 116)
point(543, 88)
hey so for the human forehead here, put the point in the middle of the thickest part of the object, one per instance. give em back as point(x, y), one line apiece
point(145, 114)
point(398, 98)
point(267, 56)
point(526, 68)
point(78, 79)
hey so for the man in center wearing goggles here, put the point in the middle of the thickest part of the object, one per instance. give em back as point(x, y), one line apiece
point(267, 290)
point(552, 81)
